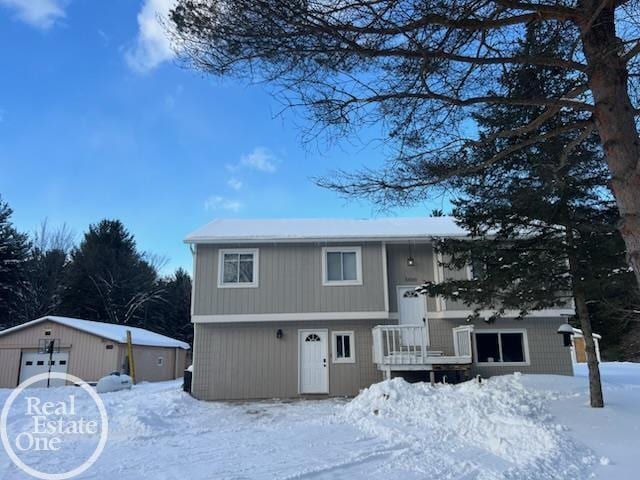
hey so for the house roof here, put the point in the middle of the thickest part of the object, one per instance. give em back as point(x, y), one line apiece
point(317, 229)
point(110, 331)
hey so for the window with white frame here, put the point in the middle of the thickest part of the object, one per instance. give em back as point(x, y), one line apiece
point(503, 346)
point(160, 361)
point(342, 266)
point(343, 347)
point(238, 268)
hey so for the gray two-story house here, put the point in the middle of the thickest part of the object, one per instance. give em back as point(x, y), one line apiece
point(297, 307)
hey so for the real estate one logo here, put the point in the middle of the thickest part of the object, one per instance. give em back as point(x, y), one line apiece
point(48, 422)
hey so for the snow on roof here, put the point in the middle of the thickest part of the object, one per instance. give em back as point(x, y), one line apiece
point(110, 331)
point(312, 229)
point(578, 332)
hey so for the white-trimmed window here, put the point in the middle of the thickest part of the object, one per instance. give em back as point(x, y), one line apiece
point(502, 347)
point(160, 361)
point(344, 349)
point(342, 266)
point(238, 268)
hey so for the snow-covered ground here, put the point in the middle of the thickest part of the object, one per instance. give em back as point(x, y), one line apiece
point(520, 427)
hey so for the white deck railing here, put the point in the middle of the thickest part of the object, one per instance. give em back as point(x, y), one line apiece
point(407, 345)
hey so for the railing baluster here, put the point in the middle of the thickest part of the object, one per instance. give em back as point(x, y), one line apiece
point(386, 331)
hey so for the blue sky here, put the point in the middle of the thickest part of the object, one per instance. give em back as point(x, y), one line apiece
point(98, 121)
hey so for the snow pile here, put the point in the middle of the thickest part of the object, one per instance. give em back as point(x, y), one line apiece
point(499, 427)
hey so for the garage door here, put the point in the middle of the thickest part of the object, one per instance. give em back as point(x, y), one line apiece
point(35, 363)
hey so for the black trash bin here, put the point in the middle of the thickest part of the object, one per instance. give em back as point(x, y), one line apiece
point(187, 381)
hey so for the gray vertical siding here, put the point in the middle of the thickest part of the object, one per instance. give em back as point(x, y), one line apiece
point(400, 274)
point(247, 361)
point(290, 282)
point(452, 274)
point(546, 350)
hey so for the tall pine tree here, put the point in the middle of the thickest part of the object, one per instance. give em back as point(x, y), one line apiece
point(542, 215)
point(45, 270)
point(108, 279)
point(14, 249)
point(171, 315)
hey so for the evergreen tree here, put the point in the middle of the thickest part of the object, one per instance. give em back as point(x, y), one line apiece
point(108, 279)
point(14, 248)
point(542, 215)
point(45, 271)
point(172, 314)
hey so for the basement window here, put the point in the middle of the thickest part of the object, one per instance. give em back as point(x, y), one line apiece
point(505, 347)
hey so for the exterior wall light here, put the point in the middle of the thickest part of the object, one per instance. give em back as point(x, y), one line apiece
point(279, 334)
point(411, 262)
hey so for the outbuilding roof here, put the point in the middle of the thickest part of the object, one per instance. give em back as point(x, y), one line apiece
point(316, 229)
point(110, 331)
point(578, 332)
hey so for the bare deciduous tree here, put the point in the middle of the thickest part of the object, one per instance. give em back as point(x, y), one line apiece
point(423, 68)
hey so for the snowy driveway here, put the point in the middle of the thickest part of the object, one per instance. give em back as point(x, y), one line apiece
point(508, 427)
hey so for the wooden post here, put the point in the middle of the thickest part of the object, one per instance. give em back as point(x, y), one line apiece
point(132, 363)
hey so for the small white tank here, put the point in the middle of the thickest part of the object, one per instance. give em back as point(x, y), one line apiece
point(114, 382)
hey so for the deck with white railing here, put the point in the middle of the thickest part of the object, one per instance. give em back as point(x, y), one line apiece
point(404, 347)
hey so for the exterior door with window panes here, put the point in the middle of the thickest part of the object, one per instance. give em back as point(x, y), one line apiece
point(314, 371)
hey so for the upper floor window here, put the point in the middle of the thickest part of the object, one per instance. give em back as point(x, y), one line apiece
point(238, 268)
point(342, 266)
point(477, 269)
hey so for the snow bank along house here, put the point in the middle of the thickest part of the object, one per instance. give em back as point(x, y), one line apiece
point(285, 308)
point(88, 350)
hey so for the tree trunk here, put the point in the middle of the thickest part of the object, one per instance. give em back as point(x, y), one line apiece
point(615, 122)
point(595, 384)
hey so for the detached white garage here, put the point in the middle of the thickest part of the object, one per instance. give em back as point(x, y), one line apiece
point(86, 349)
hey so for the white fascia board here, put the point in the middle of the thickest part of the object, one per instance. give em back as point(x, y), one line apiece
point(552, 312)
point(390, 239)
point(289, 317)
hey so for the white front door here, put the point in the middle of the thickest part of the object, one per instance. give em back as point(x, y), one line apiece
point(412, 308)
point(314, 361)
point(36, 363)
point(412, 311)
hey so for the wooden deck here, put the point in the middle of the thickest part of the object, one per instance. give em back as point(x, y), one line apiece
point(404, 348)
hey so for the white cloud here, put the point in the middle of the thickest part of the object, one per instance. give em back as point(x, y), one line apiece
point(260, 159)
point(217, 202)
point(38, 13)
point(232, 182)
point(152, 46)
